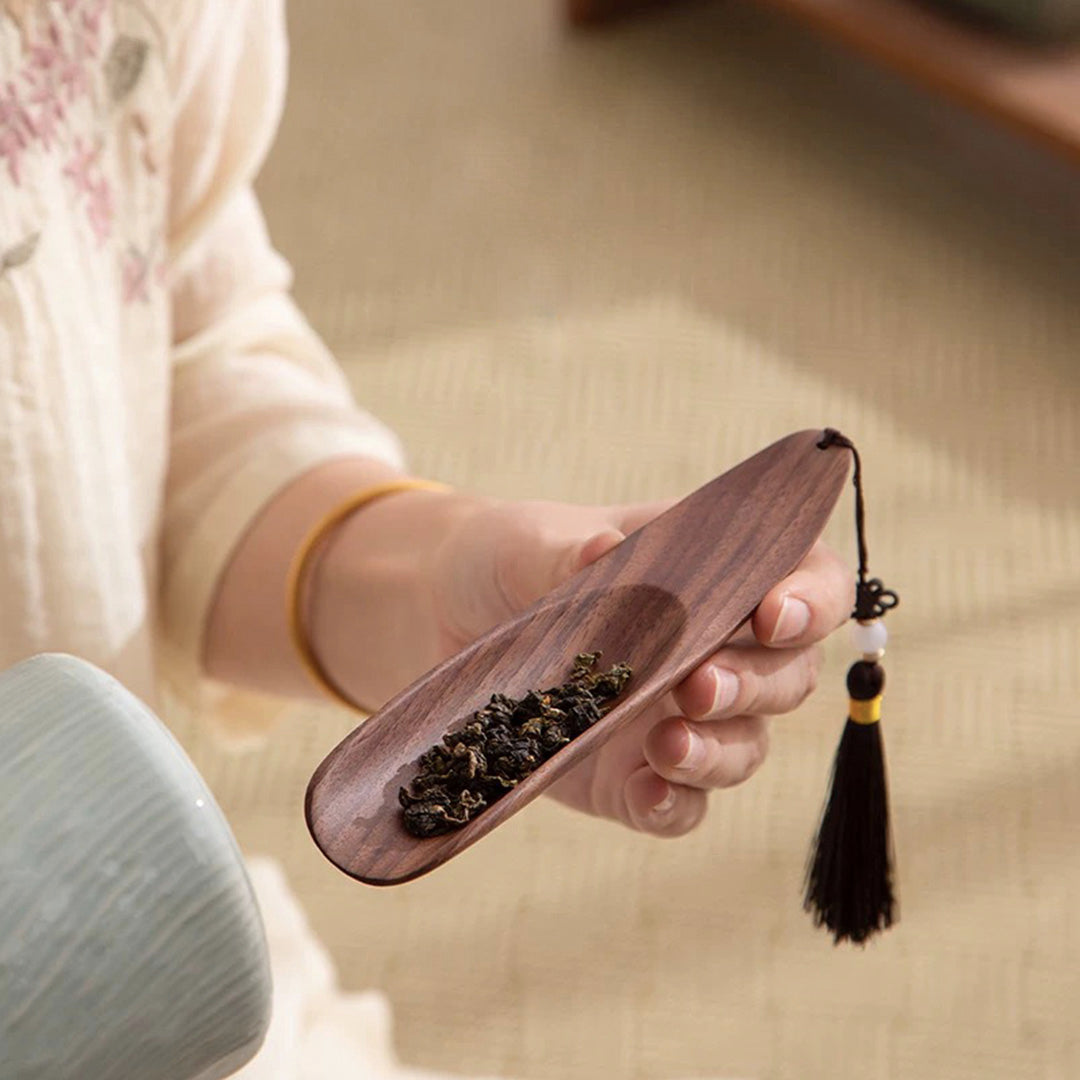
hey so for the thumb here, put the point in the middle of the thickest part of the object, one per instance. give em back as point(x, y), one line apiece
point(528, 575)
point(498, 568)
point(597, 545)
point(582, 553)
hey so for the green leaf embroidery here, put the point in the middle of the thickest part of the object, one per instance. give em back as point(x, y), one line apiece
point(20, 253)
point(124, 65)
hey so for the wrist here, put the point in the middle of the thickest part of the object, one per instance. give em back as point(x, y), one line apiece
point(371, 591)
point(248, 640)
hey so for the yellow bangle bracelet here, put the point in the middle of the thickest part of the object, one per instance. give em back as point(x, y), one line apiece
point(299, 567)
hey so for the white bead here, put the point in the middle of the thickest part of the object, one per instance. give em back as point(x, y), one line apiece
point(869, 637)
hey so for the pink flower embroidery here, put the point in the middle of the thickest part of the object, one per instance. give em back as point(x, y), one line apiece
point(89, 30)
point(46, 60)
point(81, 164)
point(16, 129)
point(85, 174)
point(50, 111)
point(63, 59)
point(74, 76)
point(99, 208)
point(135, 272)
point(45, 55)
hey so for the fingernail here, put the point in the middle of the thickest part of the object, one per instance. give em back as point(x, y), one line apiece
point(727, 690)
point(695, 750)
point(666, 803)
point(793, 619)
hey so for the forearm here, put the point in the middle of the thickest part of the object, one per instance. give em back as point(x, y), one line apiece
point(374, 615)
point(247, 639)
point(368, 606)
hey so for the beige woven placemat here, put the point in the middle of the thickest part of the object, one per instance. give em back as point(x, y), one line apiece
point(608, 267)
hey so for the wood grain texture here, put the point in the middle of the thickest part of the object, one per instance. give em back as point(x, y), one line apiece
point(131, 946)
point(1032, 88)
point(663, 601)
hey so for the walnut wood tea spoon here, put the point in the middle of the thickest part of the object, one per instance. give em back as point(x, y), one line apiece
point(663, 601)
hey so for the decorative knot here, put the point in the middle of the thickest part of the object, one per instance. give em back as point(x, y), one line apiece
point(872, 600)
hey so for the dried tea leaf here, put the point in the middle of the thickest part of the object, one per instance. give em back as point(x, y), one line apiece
point(124, 65)
point(503, 743)
point(20, 253)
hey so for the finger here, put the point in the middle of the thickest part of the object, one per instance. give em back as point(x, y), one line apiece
point(594, 548)
point(709, 753)
point(632, 517)
point(741, 679)
point(809, 604)
point(653, 805)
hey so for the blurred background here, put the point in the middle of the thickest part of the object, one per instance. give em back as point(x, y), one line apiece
point(607, 265)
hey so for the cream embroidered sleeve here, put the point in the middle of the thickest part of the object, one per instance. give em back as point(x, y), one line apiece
point(256, 398)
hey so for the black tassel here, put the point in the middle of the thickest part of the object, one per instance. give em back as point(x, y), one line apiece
point(849, 881)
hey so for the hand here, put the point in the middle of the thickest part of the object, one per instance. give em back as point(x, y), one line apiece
point(413, 578)
point(712, 731)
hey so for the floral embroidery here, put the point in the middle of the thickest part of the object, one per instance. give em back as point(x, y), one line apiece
point(82, 163)
point(90, 18)
point(66, 53)
point(35, 103)
point(45, 60)
point(136, 274)
point(55, 75)
point(16, 129)
point(99, 209)
point(84, 171)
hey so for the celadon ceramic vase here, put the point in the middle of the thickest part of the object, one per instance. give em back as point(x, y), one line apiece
point(131, 946)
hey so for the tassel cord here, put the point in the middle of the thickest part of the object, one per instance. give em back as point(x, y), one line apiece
point(872, 599)
point(849, 886)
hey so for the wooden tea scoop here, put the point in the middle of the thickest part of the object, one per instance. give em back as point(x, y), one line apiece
point(663, 601)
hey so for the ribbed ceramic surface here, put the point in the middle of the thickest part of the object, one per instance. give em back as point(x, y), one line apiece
point(130, 944)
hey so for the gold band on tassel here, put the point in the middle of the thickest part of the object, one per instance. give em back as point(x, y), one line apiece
point(865, 712)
